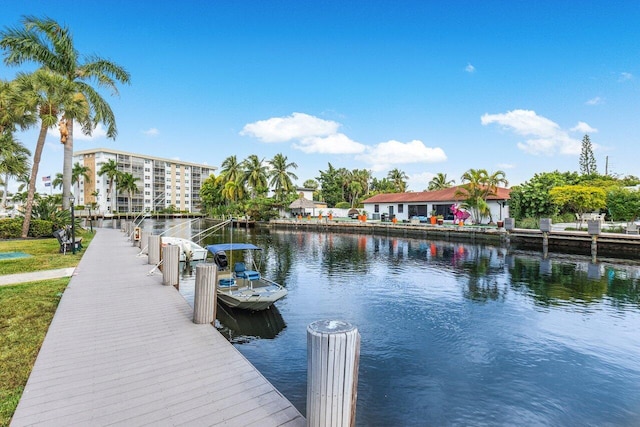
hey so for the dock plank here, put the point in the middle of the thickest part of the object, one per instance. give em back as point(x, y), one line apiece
point(122, 350)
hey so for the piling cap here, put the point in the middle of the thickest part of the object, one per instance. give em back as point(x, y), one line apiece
point(330, 327)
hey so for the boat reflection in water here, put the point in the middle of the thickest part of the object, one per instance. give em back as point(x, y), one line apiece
point(240, 326)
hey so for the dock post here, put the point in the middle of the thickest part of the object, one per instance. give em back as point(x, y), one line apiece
point(171, 268)
point(155, 243)
point(333, 353)
point(545, 227)
point(144, 242)
point(509, 225)
point(593, 228)
point(206, 295)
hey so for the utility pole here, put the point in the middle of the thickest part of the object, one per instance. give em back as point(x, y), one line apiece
point(606, 166)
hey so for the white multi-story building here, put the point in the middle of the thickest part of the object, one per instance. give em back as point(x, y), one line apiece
point(161, 182)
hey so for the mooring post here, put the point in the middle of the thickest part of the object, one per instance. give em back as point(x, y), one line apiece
point(593, 228)
point(144, 242)
point(509, 225)
point(205, 295)
point(171, 267)
point(333, 353)
point(155, 243)
point(545, 227)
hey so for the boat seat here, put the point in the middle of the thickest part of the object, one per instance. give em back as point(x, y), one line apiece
point(243, 273)
point(226, 283)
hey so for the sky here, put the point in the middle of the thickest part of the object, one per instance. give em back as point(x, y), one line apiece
point(422, 86)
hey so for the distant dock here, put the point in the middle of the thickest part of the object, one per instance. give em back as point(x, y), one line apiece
point(122, 350)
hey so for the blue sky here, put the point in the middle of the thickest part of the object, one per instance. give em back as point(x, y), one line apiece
point(422, 86)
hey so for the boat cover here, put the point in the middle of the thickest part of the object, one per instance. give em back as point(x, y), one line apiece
point(232, 247)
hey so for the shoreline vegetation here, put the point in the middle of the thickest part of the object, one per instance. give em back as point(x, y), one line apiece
point(26, 311)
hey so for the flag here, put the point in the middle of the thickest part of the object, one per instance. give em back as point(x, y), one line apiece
point(47, 184)
point(46, 178)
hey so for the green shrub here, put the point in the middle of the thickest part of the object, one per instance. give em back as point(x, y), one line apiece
point(10, 228)
point(343, 205)
point(531, 223)
point(40, 228)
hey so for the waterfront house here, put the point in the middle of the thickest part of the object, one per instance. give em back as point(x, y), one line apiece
point(420, 204)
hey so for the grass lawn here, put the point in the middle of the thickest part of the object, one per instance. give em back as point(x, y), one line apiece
point(45, 255)
point(26, 311)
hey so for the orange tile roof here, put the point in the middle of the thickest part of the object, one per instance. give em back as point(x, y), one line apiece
point(445, 195)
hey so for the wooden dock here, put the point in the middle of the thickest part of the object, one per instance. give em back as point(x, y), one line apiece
point(122, 350)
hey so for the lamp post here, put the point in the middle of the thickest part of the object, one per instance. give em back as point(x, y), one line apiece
point(72, 200)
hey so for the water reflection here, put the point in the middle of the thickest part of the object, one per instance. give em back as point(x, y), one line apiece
point(240, 326)
point(453, 333)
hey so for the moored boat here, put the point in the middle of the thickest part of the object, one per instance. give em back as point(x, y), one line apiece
point(189, 250)
point(239, 287)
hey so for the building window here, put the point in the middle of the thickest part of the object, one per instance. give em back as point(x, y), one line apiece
point(168, 187)
point(376, 208)
point(400, 209)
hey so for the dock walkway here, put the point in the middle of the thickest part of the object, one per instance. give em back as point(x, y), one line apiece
point(122, 350)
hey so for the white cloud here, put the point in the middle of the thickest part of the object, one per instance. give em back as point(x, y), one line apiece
point(98, 132)
point(419, 181)
point(295, 126)
point(594, 101)
point(337, 143)
point(506, 166)
point(547, 138)
point(470, 68)
point(151, 132)
point(582, 127)
point(386, 154)
point(625, 77)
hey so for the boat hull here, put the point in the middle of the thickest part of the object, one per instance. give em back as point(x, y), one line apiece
point(254, 299)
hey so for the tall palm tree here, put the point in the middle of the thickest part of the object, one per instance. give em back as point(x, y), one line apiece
point(233, 191)
point(14, 161)
point(12, 115)
point(129, 184)
point(255, 176)
point(231, 179)
point(477, 186)
point(399, 179)
point(110, 169)
point(45, 94)
point(49, 44)
point(281, 177)
point(440, 182)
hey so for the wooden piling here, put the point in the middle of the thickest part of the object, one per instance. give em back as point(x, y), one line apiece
point(155, 244)
point(333, 353)
point(206, 295)
point(171, 267)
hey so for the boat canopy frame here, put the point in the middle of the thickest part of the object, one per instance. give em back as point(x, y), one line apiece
point(232, 247)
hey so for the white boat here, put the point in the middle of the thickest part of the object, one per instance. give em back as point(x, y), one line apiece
point(239, 287)
point(189, 250)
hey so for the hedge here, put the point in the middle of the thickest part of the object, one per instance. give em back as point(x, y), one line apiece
point(11, 228)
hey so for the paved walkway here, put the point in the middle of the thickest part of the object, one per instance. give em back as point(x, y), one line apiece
point(12, 279)
point(122, 350)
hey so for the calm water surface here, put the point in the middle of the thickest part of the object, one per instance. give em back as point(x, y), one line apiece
point(452, 333)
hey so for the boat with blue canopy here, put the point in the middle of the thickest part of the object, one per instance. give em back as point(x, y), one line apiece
point(242, 287)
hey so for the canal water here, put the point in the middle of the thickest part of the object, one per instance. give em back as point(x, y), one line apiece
point(452, 333)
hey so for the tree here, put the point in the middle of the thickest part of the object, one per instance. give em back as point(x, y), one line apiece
point(110, 170)
point(45, 42)
point(129, 184)
point(330, 186)
point(44, 94)
point(281, 177)
point(587, 161)
point(57, 181)
point(440, 182)
point(383, 185)
point(477, 186)
point(211, 193)
point(311, 184)
point(532, 200)
point(399, 179)
point(255, 176)
point(623, 204)
point(14, 161)
point(80, 171)
point(578, 198)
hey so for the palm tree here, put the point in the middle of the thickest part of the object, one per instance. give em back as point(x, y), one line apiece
point(57, 181)
point(12, 115)
point(80, 171)
point(14, 161)
point(233, 191)
point(440, 182)
point(399, 179)
point(281, 178)
point(45, 42)
point(110, 169)
point(45, 94)
point(128, 184)
point(231, 179)
point(477, 186)
point(255, 175)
